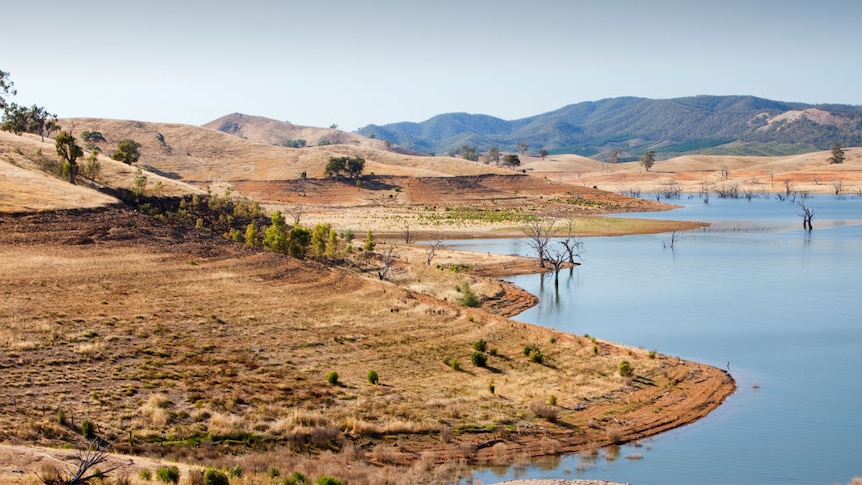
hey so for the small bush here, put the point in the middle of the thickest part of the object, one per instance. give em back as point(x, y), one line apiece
point(538, 357)
point(626, 369)
point(332, 378)
point(479, 359)
point(552, 400)
point(493, 352)
point(553, 340)
point(88, 429)
point(215, 477)
point(235, 471)
point(468, 298)
point(273, 473)
point(373, 378)
point(544, 411)
point(491, 387)
point(652, 354)
point(295, 478)
point(455, 365)
point(167, 474)
point(328, 480)
point(480, 345)
point(145, 474)
point(528, 350)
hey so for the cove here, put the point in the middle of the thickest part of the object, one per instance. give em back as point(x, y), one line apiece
point(779, 305)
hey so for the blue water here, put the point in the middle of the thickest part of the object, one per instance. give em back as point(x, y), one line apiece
point(781, 306)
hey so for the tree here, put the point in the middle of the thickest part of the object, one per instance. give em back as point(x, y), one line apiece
point(16, 119)
point(573, 247)
point(493, 155)
point(837, 153)
point(69, 151)
point(522, 147)
point(42, 122)
point(275, 237)
point(511, 160)
point(807, 215)
point(469, 152)
point(543, 153)
point(648, 159)
point(431, 250)
point(127, 151)
point(7, 88)
point(335, 166)
point(319, 239)
point(538, 236)
point(299, 241)
point(355, 166)
point(614, 155)
point(91, 138)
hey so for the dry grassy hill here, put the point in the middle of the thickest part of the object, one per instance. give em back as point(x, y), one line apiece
point(809, 172)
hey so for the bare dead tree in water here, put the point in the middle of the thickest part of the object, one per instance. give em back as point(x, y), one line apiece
point(671, 243)
point(573, 247)
point(807, 215)
point(557, 259)
point(538, 234)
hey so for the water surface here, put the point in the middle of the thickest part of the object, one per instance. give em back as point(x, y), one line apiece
point(779, 305)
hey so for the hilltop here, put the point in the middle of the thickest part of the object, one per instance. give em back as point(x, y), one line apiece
point(718, 125)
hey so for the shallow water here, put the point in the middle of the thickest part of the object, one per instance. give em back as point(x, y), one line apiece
point(779, 305)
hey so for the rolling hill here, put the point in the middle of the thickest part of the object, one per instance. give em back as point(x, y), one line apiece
point(718, 125)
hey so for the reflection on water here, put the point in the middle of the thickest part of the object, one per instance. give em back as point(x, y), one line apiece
point(780, 306)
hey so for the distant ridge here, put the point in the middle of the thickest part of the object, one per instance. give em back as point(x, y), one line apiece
point(721, 125)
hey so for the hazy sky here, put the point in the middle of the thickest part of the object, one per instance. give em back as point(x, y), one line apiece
point(381, 61)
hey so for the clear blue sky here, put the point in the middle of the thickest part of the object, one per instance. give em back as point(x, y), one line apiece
point(382, 61)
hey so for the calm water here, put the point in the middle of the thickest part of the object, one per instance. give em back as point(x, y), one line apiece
point(780, 305)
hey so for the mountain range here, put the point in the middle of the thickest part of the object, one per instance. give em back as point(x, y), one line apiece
point(719, 125)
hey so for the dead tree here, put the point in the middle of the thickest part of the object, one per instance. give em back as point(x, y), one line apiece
point(807, 215)
point(387, 257)
point(431, 250)
point(538, 234)
point(85, 470)
point(296, 212)
point(573, 247)
point(556, 258)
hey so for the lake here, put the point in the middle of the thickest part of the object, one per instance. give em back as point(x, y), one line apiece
point(779, 305)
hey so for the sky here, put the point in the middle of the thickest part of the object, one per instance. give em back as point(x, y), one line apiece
point(354, 63)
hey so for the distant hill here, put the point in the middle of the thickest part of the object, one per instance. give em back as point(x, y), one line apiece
point(719, 125)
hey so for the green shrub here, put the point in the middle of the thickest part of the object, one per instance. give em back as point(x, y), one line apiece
point(215, 477)
point(455, 365)
point(479, 359)
point(480, 345)
point(235, 471)
point(553, 340)
point(273, 473)
point(626, 369)
point(652, 354)
point(295, 479)
point(328, 480)
point(528, 349)
point(88, 429)
point(167, 474)
point(493, 352)
point(537, 357)
point(332, 378)
point(491, 387)
point(145, 474)
point(468, 298)
point(552, 400)
point(373, 378)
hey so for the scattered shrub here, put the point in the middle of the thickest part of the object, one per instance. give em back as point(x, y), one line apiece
point(626, 369)
point(88, 429)
point(552, 400)
point(480, 345)
point(537, 357)
point(332, 378)
point(479, 359)
point(553, 340)
point(493, 352)
point(295, 479)
point(145, 474)
point(544, 411)
point(167, 474)
point(328, 480)
point(373, 378)
point(235, 471)
point(455, 365)
point(652, 354)
point(215, 477)
point(273, 473)
point(528, 350)
point(468, 298)
point(491, 387)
